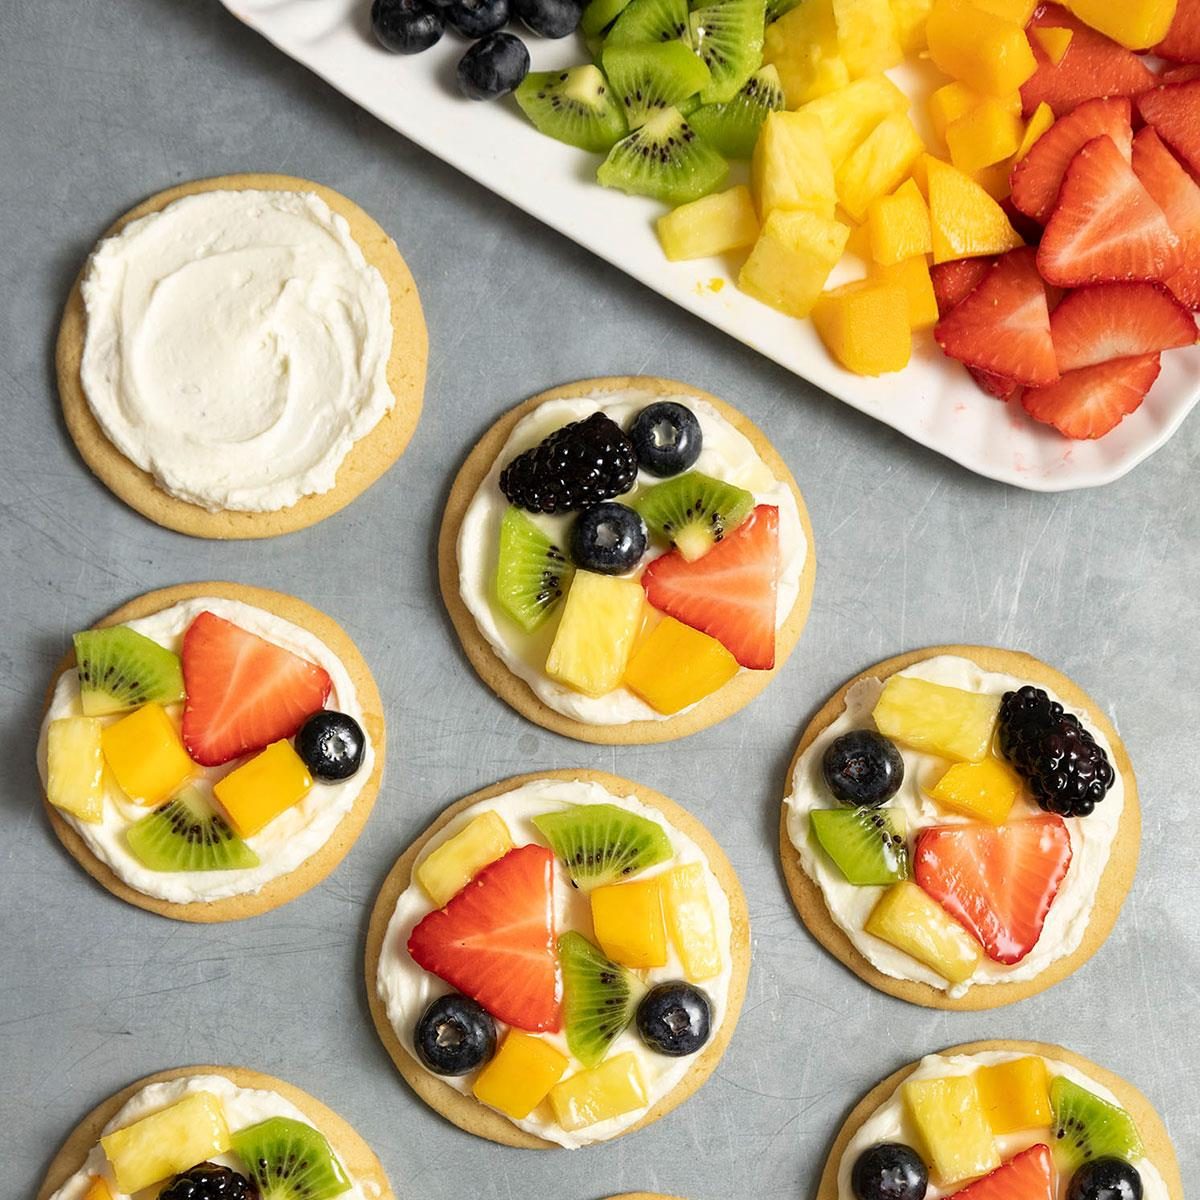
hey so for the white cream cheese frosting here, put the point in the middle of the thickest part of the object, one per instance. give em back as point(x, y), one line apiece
point(406, 990)
point(287, 841)
point(243, 1107)
point(890, 1123)
point(850, 906)
point(237, 346)
point(727, 455)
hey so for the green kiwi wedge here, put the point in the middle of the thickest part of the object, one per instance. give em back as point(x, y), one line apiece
point(601, 843)
point(728, 35)
point(732, 128)
point(644, 21)
point(600, 998)
point(532, 574)
point(868, 845)
point(694, 511)
point(120, 670)
point(664, 159)
point(575, 106)
point(777, 8)
point(289, 1160)
point(599, 15)
point(646, 79)
point(187, 834)
point(1086, 1128)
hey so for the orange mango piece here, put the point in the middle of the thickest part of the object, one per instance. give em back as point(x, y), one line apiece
point(146, 756)
point(1039, 124)
point(1054, 41)
point(255, 793)
point(520, 1075)
point(1015, 1095)
point(627, 919)
point(865, 326)
point(913, 276)
point(986, 790)
point(675, 666)
point(986, 52)
point(987, 134)
point(899, 225)
point(967, 222)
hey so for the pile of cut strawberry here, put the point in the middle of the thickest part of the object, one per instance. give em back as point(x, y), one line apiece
point(1074, 325)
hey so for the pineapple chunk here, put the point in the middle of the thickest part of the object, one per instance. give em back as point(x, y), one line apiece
point(600, 621)
point(910, 17)
point(986, 52)
point(912, 921)
point(627, 919)
point(899, 226)
point(690, 921)
point(949, 721)
point(449, 868)
point(913, 276)
point(952, 1128)
point(167, 1142)
point(803, 47)
point(75, 767)
point(1015, 1095)
point(986, 789)
point(1039, 124)
point(1136, 24)
point(967, 222)
point(865, 326)
point(791, 169)
point(675, 666)
point(610, 1090)
point(791, 261)
point(520, 1075)
point(987, 134)
point(879, 165)
point(711, 225)
point(1054, 42)
point(848, 116)
point(867, 36)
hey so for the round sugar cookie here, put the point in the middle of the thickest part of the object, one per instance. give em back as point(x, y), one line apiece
point(513, 690)
point(314, 868)
point(357, 1157)
point(1114, 884)
point(367, 459)
point(466, 1112)
point(1155, 1138)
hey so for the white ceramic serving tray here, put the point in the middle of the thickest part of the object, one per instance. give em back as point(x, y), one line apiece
point(933, 401)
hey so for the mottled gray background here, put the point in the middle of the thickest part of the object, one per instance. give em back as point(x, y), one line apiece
point(105, 101)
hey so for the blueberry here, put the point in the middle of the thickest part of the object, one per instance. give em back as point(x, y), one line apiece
point(493, 66)
point(549, 18)
point(455, 1036)
point(667, 438)
point(889, 1172)
point(331, 745)
point(1106, 1179)
point(608, 538)
point(674, 1019)
point(476, 18)
point(863, 768)
point(406, 26)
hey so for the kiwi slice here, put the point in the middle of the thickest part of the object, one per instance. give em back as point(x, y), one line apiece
point(728, 35)
point(1086, 1128)
point(120, 669)
point(532, 574)
point(646, 79)
point(187, 834)
point(600, 998)
point(645, 21)
point(575, 106)
point(732, 127)
point(664, 159)
point(777, 8)
point(599, 15)
point(601, 843)
point(867, 844)
point(694, 511)
point(288, 1160)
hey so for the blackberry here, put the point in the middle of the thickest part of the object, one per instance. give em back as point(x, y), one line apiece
point(575, 467)
point(208, 1181)
point(1068, 773)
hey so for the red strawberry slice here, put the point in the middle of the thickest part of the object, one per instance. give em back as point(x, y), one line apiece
point(1003, 326)
point(1038, 177)
point(1089, 402)
point(1182, 43)
point(730, 592)
point(1118, 320)
point(1094, 65)
point(243, 692)
point(1174, 111)
point(494, 941)
point(998, 882)
point(1028, 1176)
point(954, 281)
point(995, 385)
point(1181, 74)
point(1178, 195)
point(1106, 227)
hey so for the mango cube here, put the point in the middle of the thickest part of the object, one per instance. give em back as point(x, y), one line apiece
point(146, 756)
point(847, 116)
point(967, 222)
point(1015, 1095)
point(909, 919)
point(913, 276)
point(711, 225)
point(167, 1142)
point(675, 666)
point(987, 134)
point(449, 868)
point(791, 261)
point(520, 1075)
point(1136, 24)
point(986, 52)
point(627, 919)
point(951, 1127)
point(75, 767)
point(867, 36)
point(255, 793)
point(610, 1090)
point(690, 921)
point(803, 47)
point(879, 165)
point(865, 326)
point(948, 103)
point(1055, 42)
point(1011, 10)
point(910, 17)
point(995, 179)
point(899, 225)
point(1039, 124)
point(986, 790)
point(790, 168)
point(600, 620)
point(949, 721)
point(97, 1189)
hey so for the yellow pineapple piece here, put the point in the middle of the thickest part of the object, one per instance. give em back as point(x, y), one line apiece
point(910, 17)
point(986, 52)
point(690, 921)
point(949, 721)
point(867, 36)
point(791, 169)
point(849, 115)
point(1055, 42)
point(879, 165)
point(950, 1125)
point(167, 1142)
point(803, 47)
point(255, 793)
point(97, 1189)
point(1018, 11)
point(600, 620)
point(913, 276)
point(1039, 124)
point(1015, 1095)
point(627, 919)
point(899, 225)
point(865, 326)
point(711, 225)
point(987, 134)
point(520, 1075)
point(610, 1090)
point(449, 868)
point(1136, 24)
point(676, 666)
point(986, 790)
point(967, 222)
point(909, 919)
point(145, 755)
point(791, 261)
point(75, 767)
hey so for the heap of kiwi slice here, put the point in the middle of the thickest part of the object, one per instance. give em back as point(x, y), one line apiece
point(647, 79)
point(289, 1160)
point(532, 574)
point(187, 834)
point(728, 35)
point(600, 998)
point(1086, 1128)
point(647, 21)
point(867, 844)
point(119, 669)
point(575, 106)
point(732, 127)
point(694, 511)
point(601, 843)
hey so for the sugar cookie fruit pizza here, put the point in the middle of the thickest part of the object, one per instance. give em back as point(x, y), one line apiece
point(560, 959)
point(210, 751)
point(626, 560)
point(962, 826)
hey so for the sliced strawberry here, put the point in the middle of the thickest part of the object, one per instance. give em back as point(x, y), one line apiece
point(1094, 65)
point(1174, 111)
point(996, 385)
point(998, 882)
point(494, 941)
point(1118, 320)
point(243, 692)
point(1027, 1176)
point(1090, 402)
point(730, 592)
point(1038, 177)
point(1026, 226)
point(1003, 326)
point(1178, 195)
point(954, 281)
point(1106, 227)
point(1182, 43)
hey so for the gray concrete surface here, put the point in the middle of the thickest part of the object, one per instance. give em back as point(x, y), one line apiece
point(105, 101)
